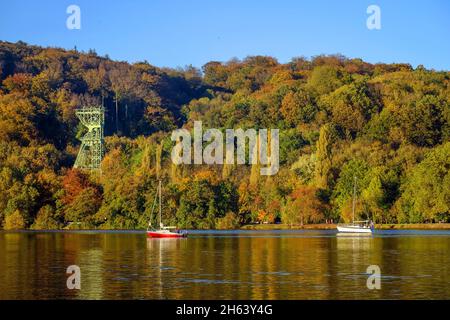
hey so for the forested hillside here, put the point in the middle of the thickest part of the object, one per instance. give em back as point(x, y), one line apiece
point(386, 124)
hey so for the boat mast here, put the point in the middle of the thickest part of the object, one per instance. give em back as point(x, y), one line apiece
point(160, 220)
point(354, 198)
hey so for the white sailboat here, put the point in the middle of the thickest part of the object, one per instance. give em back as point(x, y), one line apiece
point(365, 226)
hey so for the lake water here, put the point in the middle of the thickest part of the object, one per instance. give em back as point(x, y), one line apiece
point(225, 265)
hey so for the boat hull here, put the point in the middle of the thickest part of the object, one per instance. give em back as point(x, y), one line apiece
point(354, 229)
point(158, 234)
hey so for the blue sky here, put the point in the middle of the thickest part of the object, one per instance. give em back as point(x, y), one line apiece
point(177, 33)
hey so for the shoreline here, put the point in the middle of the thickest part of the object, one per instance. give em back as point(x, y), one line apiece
point(324, 226)
point(269, 227)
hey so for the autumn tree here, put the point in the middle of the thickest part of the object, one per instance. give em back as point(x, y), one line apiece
point(303, 206)
point(298, 107)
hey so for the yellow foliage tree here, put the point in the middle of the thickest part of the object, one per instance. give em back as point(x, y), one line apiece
point(14, 221)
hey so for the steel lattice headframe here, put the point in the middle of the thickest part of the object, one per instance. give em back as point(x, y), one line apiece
point(92, 143)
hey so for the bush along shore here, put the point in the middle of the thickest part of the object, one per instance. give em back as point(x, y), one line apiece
point(409, 226)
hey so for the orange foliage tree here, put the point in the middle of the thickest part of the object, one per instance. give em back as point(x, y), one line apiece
point(303, 206)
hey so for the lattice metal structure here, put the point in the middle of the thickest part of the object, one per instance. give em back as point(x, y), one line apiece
point(92, 144)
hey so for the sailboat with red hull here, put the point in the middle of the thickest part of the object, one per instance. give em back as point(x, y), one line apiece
point(163, 231)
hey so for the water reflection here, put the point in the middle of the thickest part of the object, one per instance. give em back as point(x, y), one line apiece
point(240, 265)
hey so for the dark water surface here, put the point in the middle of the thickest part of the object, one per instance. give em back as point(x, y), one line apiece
point(225, 265)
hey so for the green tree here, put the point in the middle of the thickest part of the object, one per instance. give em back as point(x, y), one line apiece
point(324, 156)
point(426, 194)
point(343, 191)
point(325, 79)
